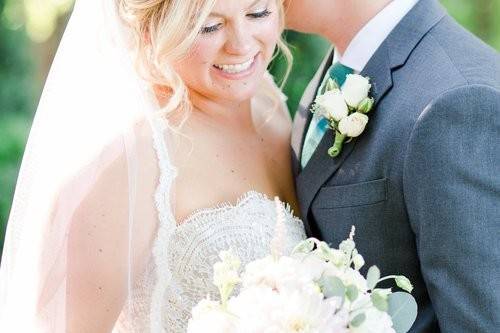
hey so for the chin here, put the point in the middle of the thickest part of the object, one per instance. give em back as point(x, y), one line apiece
point(241, 95)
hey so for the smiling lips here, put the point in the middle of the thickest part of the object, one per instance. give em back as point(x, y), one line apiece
point(236, 68)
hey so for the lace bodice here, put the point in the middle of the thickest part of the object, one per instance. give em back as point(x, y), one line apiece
point(247, 228)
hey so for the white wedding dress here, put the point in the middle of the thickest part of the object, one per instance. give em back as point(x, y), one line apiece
point(180, 273)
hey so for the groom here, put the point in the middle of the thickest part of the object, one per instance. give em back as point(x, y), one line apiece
point(422, 182)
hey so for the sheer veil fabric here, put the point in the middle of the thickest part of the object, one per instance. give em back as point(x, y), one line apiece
point(92, 139)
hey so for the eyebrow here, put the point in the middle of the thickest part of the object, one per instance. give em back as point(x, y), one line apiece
point(221, 15)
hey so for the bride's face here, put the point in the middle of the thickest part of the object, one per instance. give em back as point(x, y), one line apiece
point(232, 50)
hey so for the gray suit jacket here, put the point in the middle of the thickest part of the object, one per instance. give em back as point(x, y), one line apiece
point(422, 183)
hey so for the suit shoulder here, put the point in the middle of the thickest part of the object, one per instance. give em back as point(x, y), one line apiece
point(463, 109)
point(476, 61)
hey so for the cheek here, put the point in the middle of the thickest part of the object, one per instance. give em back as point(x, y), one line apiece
point(268, 35)
point(200, 57)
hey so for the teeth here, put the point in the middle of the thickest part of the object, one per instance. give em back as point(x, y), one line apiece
point(233, 69)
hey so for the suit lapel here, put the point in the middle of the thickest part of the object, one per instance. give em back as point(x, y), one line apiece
point(392, 54)
point(303, 115)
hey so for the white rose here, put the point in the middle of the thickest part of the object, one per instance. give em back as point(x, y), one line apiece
point(353, 277)
point(225, 275)
point(331, 105)
point(353, 125)
point(209, 317)
point(355, 89)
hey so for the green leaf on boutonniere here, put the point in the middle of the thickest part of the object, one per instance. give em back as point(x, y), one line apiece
point(331, 85)
point(366, 105)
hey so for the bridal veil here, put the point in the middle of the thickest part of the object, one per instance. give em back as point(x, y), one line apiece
point(95, 121)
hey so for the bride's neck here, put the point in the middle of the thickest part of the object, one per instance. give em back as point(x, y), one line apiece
point(219, 110)
point(219, 107)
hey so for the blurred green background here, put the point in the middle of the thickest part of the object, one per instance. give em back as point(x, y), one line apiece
point(29, 34)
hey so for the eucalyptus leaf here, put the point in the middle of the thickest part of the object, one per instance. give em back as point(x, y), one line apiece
point(358, 320)
point(352, 293)
point(305, 246)
point(403, 311)
point(332, 286)
point(379, 301)
point(372, 277)
point(324, 250)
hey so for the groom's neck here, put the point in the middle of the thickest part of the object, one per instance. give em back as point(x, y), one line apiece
point(351, 17)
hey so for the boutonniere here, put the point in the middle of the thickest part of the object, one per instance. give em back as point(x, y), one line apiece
point(345, 108)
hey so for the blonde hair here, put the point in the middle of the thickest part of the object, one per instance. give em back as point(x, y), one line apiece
point(165, 30)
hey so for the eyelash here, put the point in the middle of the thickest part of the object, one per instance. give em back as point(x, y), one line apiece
point(262, 14)
point(214, 28)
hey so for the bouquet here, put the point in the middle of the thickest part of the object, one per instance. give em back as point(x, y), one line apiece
point(315, 289)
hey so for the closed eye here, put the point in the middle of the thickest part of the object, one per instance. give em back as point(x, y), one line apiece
point(215, 27)
point(212, 28)
point(262, 14)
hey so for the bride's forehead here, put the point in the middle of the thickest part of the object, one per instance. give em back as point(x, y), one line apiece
point(227, 6)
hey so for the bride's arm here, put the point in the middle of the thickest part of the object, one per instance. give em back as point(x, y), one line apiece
point(97, 260)
point(109, 243)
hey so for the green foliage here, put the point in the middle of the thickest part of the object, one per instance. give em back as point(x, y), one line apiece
point(308, 51)
point(13, 130)
point(479, 16)
point(17, 102)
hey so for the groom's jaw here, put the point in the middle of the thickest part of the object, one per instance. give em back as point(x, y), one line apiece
point(336, 20)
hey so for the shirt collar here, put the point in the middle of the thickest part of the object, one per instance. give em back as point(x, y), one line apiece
point(372, 35)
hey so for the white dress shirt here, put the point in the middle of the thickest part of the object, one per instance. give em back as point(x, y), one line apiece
point(366, 42)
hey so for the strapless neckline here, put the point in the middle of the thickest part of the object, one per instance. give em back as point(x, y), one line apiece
point(226, 206)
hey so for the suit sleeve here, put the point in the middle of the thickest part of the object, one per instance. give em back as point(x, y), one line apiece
point(452, 193)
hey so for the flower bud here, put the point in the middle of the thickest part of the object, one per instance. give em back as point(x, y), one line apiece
point(353, 125)
point(404, 283)
point(331, 85)
point(366, 105)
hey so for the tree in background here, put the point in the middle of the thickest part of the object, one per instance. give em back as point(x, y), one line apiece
point(17, 100)
point(28, 39)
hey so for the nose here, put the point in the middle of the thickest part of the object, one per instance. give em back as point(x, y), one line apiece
point(239, 40)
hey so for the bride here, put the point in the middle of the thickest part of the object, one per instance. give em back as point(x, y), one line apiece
point(136, 176)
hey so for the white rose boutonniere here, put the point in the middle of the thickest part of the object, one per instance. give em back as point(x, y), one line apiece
point(332, 106)
point(355, 89)
point(345, 108)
